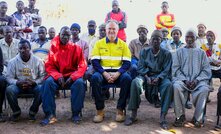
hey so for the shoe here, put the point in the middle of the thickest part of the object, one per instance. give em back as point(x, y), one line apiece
point(164, 125)
point(157, 104)
point(99, 117)
point(188, 105)
point(120, 117)
point(76, 119)
point(31, 117)
point(179, 122)
point(48, 120)
point(129, 121)
point(2, 119)
point(14, 118)
point(196, 123)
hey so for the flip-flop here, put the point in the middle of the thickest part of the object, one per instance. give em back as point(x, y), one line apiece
point(47, 121)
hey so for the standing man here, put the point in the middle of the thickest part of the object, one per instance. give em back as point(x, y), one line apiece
point(121, 17)
point(51, 33)
point(5, 20)
point(23, 22)
point(31, 8)
point(41, 46)
point(25, 73)
point(165, 19)
point(65, 68)
point(201, 38)
point(75, 30)
point(9, 45)
point(90, 37)
point(154, 70)
point(136, 46)
point(191, 72)
point(111, 60)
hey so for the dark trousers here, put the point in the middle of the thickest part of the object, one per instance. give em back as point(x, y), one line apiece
point(98, 82)
point(3, 84)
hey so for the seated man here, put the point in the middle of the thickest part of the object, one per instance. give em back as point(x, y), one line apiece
point(154, 70)
point(110, 59)
point(25, 73)
point(65, 68)
point(136, 46)
point(191, 72)
point(2, 86)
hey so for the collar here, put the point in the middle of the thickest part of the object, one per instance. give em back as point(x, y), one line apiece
point(115, 41)
point(145, 43)
point(6, 44)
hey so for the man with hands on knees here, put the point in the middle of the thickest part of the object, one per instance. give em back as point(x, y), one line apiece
point(65, 68)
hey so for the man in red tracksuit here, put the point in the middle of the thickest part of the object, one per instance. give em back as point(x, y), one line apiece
point(65, 68)
point(121, 17)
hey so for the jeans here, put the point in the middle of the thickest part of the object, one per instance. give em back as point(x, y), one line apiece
point(13, 91)
point(48, 96)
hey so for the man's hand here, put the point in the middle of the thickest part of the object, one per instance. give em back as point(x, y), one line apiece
point(107, 76)
point(61, 82)
point(114, 77)
point(31, 83)
point(68, 82)
point(188, 84)
point(155, 81)
point(194, 84)
point(22, 84)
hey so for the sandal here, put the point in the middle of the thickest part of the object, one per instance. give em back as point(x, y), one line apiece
point(47, 121)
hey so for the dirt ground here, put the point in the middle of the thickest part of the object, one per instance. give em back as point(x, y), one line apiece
point(148, 119)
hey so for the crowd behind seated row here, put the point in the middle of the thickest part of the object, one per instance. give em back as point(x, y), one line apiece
point(165, 68)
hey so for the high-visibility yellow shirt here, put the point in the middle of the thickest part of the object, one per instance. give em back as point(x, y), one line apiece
point(111, 55)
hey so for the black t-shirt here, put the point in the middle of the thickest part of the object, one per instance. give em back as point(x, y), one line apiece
point(7, 20)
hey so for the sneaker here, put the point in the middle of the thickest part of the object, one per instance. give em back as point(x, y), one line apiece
point(157, 104)
point(179, 122)
point(2, 119)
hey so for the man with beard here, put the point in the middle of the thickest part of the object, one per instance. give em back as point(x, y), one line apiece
point(111, 60)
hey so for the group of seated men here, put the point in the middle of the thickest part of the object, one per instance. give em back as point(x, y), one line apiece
point(173, 75)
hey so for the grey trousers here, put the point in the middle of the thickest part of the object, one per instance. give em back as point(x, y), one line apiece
point(199, 99)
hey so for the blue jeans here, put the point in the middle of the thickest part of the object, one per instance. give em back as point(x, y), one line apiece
point(123, 82)
point(48, 96)
point(13, 91)
point(133, 68)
